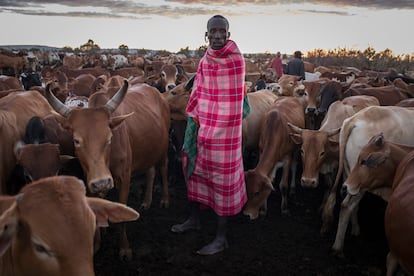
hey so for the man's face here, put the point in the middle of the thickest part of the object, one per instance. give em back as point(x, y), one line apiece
point(217, 33)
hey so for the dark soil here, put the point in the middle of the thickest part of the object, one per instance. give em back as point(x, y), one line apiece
point(273, 245)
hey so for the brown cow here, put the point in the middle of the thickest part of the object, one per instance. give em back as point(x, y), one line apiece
point(33, 223)
point(375, 168)
point(116, 137)
point(386, 95)
point(16, 109)
point(398, 219)
point(7, 83)
point(17, 63)
point(275, 146)
point(320, 149)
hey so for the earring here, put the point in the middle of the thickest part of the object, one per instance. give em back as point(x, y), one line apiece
point(205, 39)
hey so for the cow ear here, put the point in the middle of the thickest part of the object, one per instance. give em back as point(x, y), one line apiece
point(106, 211)
point(8, 223)
point(116, 121)
point(296, 138)
point(375, 159)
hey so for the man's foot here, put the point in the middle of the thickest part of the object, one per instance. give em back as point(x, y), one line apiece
point(186, 226)
point(214, 247)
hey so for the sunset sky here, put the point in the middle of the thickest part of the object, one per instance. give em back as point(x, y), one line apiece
point(257, 26)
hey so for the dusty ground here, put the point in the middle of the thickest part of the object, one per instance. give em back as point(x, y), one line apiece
point(273, 245)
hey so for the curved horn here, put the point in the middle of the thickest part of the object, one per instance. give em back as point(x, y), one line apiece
point(55, 103)
point(114, 102)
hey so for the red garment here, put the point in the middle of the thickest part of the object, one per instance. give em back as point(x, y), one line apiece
point(277, 66)
point(216, 102)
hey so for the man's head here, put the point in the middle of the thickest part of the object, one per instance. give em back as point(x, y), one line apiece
point(298, 54)
point(217, 31)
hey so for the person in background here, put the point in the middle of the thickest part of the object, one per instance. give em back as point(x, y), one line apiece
point(215, 109)
point(296, 66)
point(276, 65)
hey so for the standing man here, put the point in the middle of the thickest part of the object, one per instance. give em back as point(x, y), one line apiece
point(296, 66)
point(216, 108)
point(277, 66)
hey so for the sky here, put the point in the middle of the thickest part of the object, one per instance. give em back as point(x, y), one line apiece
point(258, 26)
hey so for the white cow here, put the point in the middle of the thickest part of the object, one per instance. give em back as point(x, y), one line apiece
point(395, 123)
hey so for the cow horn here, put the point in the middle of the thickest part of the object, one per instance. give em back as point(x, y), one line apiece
point(55, 103)
point(295, 128)
point(114, 102)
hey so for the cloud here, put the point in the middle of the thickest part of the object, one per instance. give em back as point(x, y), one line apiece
point(134, 9)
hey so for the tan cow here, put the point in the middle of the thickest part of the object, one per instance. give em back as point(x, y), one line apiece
point(398, 219)
point(48, 229)
point(320, 150)
point(116, 137)
point(275, 146)
point(291, 86)
point(395, 123)
point(8, 82)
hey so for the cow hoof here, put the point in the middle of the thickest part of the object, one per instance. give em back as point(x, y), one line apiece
point(164, 204)
point(285, 213)
point(144, 206)
point(125, 254)
point(338, 253)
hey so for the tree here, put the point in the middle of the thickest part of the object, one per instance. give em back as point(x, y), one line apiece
point(89, 46)
point(123, 48)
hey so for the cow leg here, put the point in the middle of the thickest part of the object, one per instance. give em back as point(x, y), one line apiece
point(328, 204)
point(125, 252)
point(284, 185)
point(293, 168)
point(355, 230)
point(149, 181)
point(392, 265)
point(347, 207)
point(164, 184)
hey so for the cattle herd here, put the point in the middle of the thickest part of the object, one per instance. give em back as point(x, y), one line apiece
point(77, 126)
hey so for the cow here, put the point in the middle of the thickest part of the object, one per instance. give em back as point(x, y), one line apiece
point(290, 85)
point(16, 62)
point(117, 137)
point(166, 79)
point(375, 168)
point(387, 95)
point(275, 146)
point(320, 150)
point(33, 223)
point(16, 109)
point(9, 82)
point(398, 219)
point(30, 79)
point(395, 123)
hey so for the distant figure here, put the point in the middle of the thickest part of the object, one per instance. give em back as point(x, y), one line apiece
point(296, 66)
point(277, 66)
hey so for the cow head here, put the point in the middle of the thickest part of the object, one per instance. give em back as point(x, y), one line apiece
point(92, 136)
point(258, 187)
point(373, 169)
point(177, 99)
point(315, 147)
point(34, 222)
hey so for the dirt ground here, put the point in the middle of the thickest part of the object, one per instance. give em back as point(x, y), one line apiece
point(273, 245)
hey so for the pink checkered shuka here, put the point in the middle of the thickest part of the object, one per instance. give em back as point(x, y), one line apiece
point(216, 102)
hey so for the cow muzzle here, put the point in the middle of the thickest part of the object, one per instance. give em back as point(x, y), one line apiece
point(101, 186)
point(309, 182)
point(350, 189)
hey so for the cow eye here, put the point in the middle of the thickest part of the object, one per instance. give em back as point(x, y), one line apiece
point(41, 249)
point(173, 92)
point(322, 153)
point(256, 194)
point(76, 142)
point(363, 162)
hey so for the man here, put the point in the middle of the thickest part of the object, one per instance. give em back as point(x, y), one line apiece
point(277, 66)
point(216, 108)
point(296, 66)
